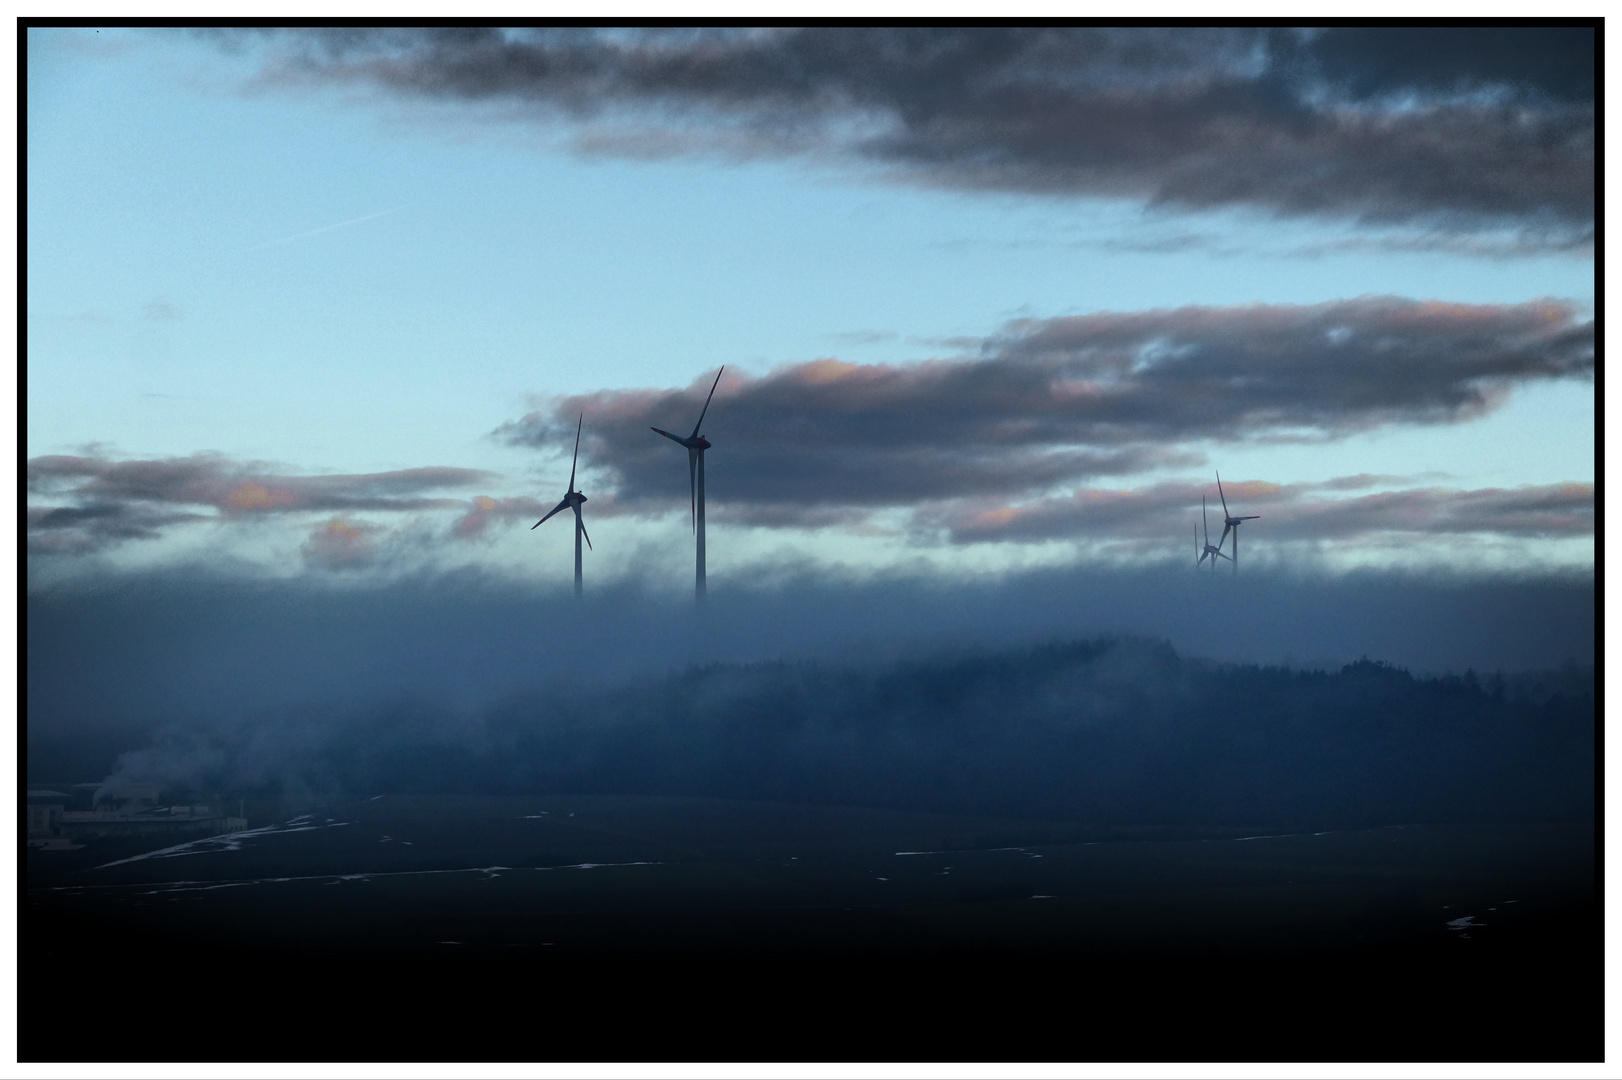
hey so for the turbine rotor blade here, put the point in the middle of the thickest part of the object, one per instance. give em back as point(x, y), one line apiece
point(672, 438)
point(1204, 521)
point(1223, 497)
point(706, 408)
point(576, 460)
point(549, 513)
point(581, 522)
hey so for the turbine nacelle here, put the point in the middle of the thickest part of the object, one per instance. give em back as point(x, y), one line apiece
point(573, 498)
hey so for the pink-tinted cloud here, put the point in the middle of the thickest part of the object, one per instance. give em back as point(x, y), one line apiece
point(1057, 402)
point(1288, 512)
point(342, 545)
point(102, 502)
point(486, 511)
point(240, 487)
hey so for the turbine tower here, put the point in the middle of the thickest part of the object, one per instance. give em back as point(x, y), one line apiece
point(573, 498)
point(696, 445)
point(1215, 553)
point(1231, 522)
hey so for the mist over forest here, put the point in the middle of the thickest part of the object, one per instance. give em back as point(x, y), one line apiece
point(1124, 697)
point(1109, 731)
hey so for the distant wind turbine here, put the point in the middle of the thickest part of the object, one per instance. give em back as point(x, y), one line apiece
point(573, 498)
point(1215, 553)
point(696, 445)
point(1231, 522)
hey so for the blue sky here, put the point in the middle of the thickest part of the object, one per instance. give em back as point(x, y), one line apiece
point(263, 261)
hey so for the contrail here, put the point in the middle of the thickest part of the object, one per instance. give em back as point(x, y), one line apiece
point(327, 228)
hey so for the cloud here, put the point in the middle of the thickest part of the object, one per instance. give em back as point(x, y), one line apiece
point(342, 545)
point(1454, 126)
point(1363, 481)
point(1055, 402)
point(110, 501)
point(1289, 512)
point(863, 337)
point(1532, 240)
point(1545, 510)
point(81, 530)
point(486, 511)
point(1554, 63)
point(1511, 244)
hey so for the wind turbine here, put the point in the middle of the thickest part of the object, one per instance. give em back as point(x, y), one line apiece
point(1215, 553)
point(696, 445)
point(573, 498)
point(1231, 522)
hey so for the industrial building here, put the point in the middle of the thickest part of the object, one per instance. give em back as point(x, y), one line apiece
point(61, 820)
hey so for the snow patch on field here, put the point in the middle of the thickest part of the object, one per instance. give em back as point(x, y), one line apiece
point(227, 841)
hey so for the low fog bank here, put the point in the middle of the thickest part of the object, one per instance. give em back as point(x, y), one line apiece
point(110, 662)
point(1105, 731)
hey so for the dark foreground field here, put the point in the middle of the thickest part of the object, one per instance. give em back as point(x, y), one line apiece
point(645, 928)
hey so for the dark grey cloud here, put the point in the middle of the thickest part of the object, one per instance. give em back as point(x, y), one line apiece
point(1555, 63)
point(1290, 512)
point(1056, 402)
point(101, 502)
point(1456, 127)
point(80, 530)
